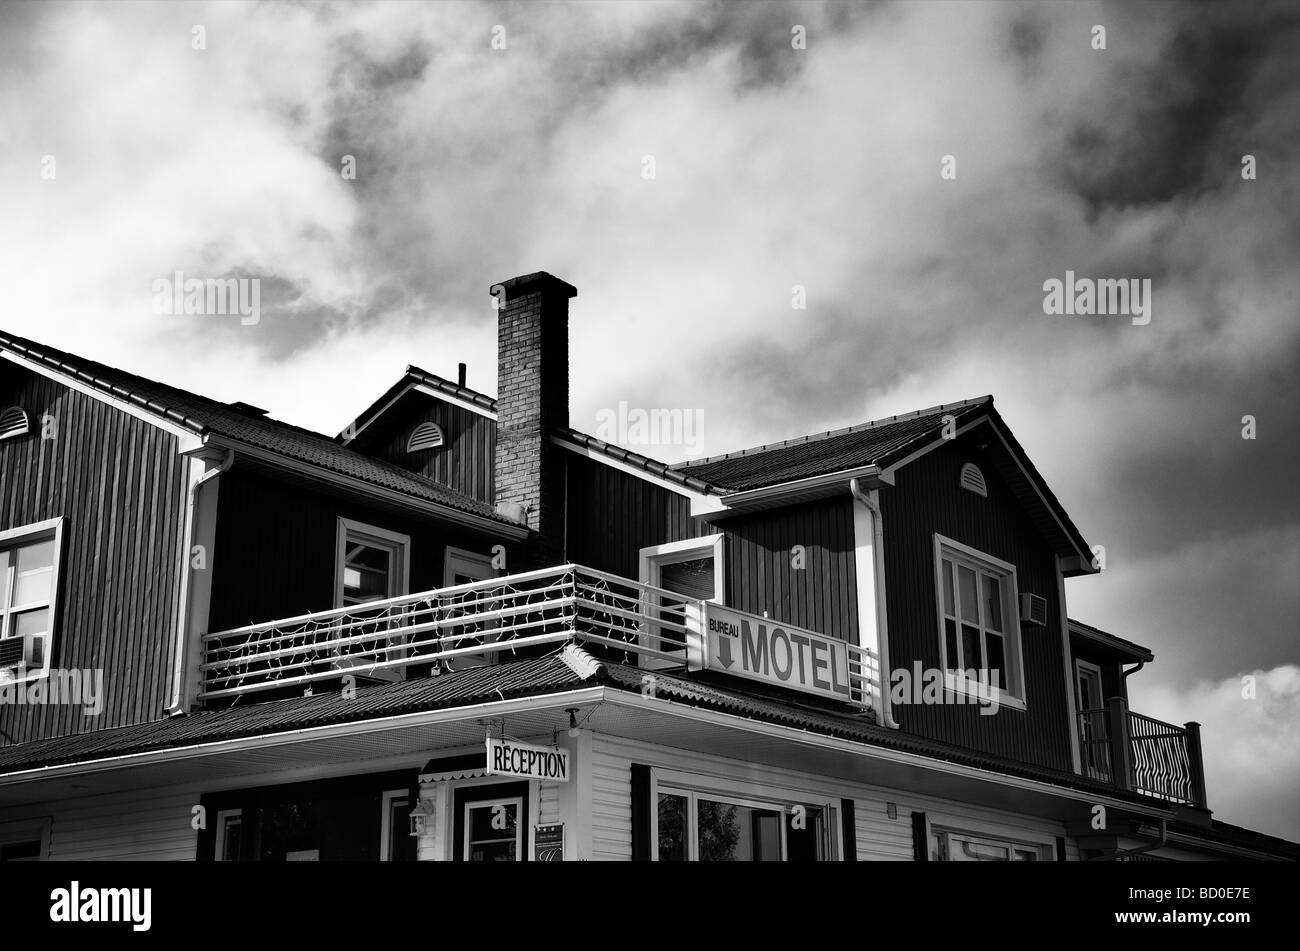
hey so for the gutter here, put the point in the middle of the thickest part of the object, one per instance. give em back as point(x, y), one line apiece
point(177, 704)
point(1140, 850)
point(882, 620)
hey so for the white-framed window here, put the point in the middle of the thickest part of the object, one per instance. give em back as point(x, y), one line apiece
point(956, 845)
point(708, 819)
point(979, 627)
point(371, 564)
point(29, 589)
point(493, 830)
point(692, 568)
point(229, 837)
point(462, 567)
point(394, 825)
point(25, 840)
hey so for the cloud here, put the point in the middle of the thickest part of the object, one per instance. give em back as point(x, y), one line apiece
point(1250, 736)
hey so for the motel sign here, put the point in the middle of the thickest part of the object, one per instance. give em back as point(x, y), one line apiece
point(742, 645)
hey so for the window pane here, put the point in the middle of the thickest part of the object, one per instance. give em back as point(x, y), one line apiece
point(972, 657)
point(32, 622)
point(992, 603)
point(230, 838)
point(947, 589)
point(692, 578)
point(497, 821)
point(969, 598)
point(34, 557)
point(731, 833)
point(33, 587)
point(672, 828)
point(950, 643)
point(365, 574)
point(996, 661)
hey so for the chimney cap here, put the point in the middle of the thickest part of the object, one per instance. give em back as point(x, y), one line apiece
point(537, 282)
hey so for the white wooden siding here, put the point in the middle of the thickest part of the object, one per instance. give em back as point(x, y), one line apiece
point(142, 825)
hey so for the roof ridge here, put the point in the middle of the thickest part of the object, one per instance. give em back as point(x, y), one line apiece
point(831, 433)
point(444, 383)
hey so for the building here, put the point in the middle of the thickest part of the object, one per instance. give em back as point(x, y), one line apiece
point(463, 629)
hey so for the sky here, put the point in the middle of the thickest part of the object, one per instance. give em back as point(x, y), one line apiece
point(686, 167)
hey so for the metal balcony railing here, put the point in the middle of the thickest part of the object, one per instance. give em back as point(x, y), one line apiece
point(1141, 754)
point(467, 625)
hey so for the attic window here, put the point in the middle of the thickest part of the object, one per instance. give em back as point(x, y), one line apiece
point(423, 437)
point(972, 480)
point(13, 423)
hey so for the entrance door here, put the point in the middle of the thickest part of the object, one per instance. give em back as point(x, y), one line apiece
point(462, 567)
point(1094, 752)
point(691, 569)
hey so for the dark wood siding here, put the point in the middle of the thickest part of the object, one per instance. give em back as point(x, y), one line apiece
point(761, 572)
point(275, 548)
point(614, 514)
point(119, 485)
point(465, 461)
point(927, 500)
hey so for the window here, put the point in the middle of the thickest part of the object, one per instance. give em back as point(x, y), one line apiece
point(372, 565)
point(493, 831)
point(956, 846)
point(25, 841)
point(717, 821)
point(230, 828)
point(979, 632)
point(396, 844)
point(692, 569)
point(29, 574)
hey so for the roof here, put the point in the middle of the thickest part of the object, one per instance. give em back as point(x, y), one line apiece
point(873, 443)
point(203, 416)
point(638, 461)
point(1118, 644)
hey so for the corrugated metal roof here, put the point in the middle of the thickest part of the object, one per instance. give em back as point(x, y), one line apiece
point(504, 681)
point(203, 415)
point(866, 444)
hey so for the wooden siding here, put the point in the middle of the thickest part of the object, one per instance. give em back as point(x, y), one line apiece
point(275, 549)
point(613, 514)
point(464, 462)
point(120, 486)
point(148, 824)
point(927, 500)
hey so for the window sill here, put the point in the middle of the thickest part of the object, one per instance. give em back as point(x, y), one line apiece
point(978, 694)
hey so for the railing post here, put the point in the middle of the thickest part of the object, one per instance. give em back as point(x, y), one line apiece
point(1195, 763)
point(1121, 754)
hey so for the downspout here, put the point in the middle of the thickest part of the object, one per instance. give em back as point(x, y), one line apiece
point(177, 704)
point(882, 623)
point(1140, 850)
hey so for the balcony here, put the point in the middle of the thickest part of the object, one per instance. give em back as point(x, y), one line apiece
point(432, 632)
point(1140, 754)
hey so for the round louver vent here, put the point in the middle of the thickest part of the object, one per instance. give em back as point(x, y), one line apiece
point(425, 436)
point(13, 422)
point(972, 480)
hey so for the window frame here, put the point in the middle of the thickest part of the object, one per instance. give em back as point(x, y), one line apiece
point(943, 835)
point(651, 559)
point(386, 831)
point(521, 838)
point(696, 786)
point(19, 831)
point(219, 842)
point(399, 584)
point(18, 537)
point(1015, 695)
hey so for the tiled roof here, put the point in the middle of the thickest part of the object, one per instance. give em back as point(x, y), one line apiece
point(202, 415)
point(866, 444)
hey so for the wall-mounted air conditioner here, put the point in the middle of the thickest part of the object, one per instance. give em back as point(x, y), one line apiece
point(1033, 610)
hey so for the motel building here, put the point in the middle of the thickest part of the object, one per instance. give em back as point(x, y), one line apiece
point(463, 630)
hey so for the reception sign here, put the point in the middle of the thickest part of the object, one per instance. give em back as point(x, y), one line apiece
point(526, 761)
point(742, 645)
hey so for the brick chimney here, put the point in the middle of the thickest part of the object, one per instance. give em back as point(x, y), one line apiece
point(533, 401)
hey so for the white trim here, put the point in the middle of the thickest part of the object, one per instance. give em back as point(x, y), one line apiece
point(52, 526)
point(1046, 851)
point(453, 558)
point(642, 474)
point(516, 801)
point(186, 435)
point(653, 557)
point(872, 475)
point(219, 844)
point(894, 467)
point(454, 400)
point(1067, 652)
point(28, 830)
point(1007, 697)
point(386, 819)
point(399, 544)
